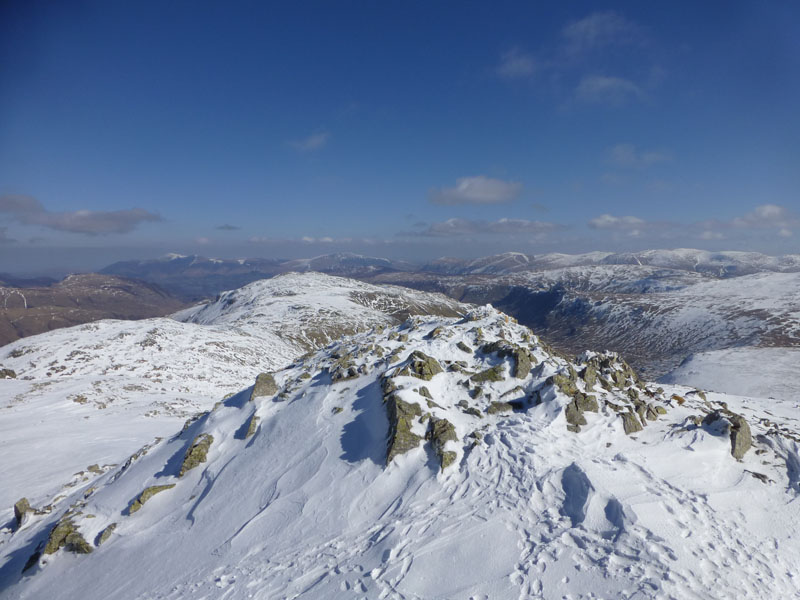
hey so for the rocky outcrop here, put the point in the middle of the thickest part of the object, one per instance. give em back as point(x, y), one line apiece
point(401, 417)
point(265, 386)
point(8, 374)
point(197, 453)
point(66, 535)
point(146, 494)
point(421, 366)
point(523, 359)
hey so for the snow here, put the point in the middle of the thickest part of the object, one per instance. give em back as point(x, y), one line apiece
point(306, 508)
point(98, 392)
point(743, 372)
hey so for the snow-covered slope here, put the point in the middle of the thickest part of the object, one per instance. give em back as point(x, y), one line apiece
point(509, 473)
point(744, 372)
point(96, 392)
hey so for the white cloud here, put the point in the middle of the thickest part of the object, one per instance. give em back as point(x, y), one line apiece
point(477, 190)
point(29, 211)
point(612, 91)
point(456, 226)
point(785, 232)
point(315, 141)
point(516, 64)
point(711, 235)
point(611, 222)
point(766, 215)
point(628, 156)
point(598, 30)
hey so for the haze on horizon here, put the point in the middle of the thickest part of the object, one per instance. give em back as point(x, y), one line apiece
point(404, 130)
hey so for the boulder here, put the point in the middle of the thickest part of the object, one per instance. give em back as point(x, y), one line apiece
point(523, 359)
point(8, 374)
point(421, 366)
point(21, 510)
point(631, 423)
point(102, 538)
point(197, 453)
point(499, 407)
point(492, 374)
point(741, 438)
point(265, 386)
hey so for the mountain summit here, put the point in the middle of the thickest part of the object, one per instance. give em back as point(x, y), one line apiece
point(446, 457)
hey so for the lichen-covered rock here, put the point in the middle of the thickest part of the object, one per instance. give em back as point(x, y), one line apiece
point(441, 432)
point(146, 494)
point(574, 416)
point(741, 438)
point(102, 538)
point(401, 415)
point(21, 510)
point(631, 423)
point(589, 376)
point(197, 453)
point(421, 366)
point(564, 383)
point(265, 386)
point(492, 374)
point(586, 402)
point(499, 407)
point(252, 426)
point(464, 348)
point(425, 393)
point(66, 535)
point(7, 374)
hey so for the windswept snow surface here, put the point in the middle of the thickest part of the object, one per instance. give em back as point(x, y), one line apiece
point(307, 507)
point(95, 393)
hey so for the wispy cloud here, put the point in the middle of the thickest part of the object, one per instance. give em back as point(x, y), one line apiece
point(611, 91)
point(477, 190)
point(598, 30)
point(516, 64)
point(629, 156)
point(455, 227)
point(29, 211)
point(4, 239)
point(227, 227)
point(313, 142)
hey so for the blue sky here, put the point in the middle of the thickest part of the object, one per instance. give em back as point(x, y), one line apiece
point(404, 129)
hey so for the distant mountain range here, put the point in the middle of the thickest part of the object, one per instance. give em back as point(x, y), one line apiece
point(197, 277)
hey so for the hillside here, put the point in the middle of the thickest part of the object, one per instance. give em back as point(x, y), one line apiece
point(442, 458)
point(29, 310)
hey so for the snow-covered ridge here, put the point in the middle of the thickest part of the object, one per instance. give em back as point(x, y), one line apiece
point(386, 464)
point(119, 384)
